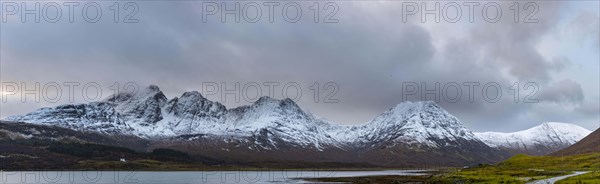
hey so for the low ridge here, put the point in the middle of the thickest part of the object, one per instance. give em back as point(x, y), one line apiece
point(539, 140)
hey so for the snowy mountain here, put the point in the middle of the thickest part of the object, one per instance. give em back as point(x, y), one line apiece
point(410, 133)
point(539, 140)
point(423, 132)
point(415, 123)
point(149, 114)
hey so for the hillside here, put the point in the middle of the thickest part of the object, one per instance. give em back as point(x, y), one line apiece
point(589, 144)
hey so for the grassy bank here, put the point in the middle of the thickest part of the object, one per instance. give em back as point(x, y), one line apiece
point(522, 168)
point(518, 169)
point(592, 177)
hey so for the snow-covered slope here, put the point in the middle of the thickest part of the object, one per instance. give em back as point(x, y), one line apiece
point(539, 140)
point(149, 114)
point(415, 123)
point(421, 133)
point(280, 120)
point(131, 114)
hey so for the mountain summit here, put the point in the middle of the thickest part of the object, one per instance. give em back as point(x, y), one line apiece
point(416, 123)
point(423, 132)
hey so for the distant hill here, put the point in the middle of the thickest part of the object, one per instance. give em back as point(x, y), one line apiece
point(589, 144)
point(536, 141)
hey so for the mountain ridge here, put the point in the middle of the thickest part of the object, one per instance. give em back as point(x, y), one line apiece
point(411, 133)
point(149, 110)
point(542, 139)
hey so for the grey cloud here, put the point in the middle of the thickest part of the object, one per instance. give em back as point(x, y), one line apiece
point(565, 91)
point(586, 26)
point(512, 45)
point(368, 54)
point(560, 63)
point(590, 108)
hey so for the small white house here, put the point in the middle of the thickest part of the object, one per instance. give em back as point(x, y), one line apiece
point(123, 160)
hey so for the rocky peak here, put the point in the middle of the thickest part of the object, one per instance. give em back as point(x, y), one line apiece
point(192, 95)
point(151, 92)
point(194, 104)
point(152, 88)
point(265, 100)
point(413, 107)
point(289, 103)
point(285, 103)
point(143, 107)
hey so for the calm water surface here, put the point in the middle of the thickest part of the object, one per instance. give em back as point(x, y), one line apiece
point(199, 177)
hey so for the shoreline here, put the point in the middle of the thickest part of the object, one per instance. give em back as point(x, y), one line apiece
point(238, 169)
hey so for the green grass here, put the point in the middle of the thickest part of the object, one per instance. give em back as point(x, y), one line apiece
point(592, 177)
point(523, 168)
point(576, 162)
point(518, 169)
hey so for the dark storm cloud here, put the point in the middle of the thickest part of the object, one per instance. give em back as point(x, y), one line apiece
point(369, 54)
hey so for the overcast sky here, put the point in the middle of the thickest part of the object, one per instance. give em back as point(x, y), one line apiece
point(369, 54)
